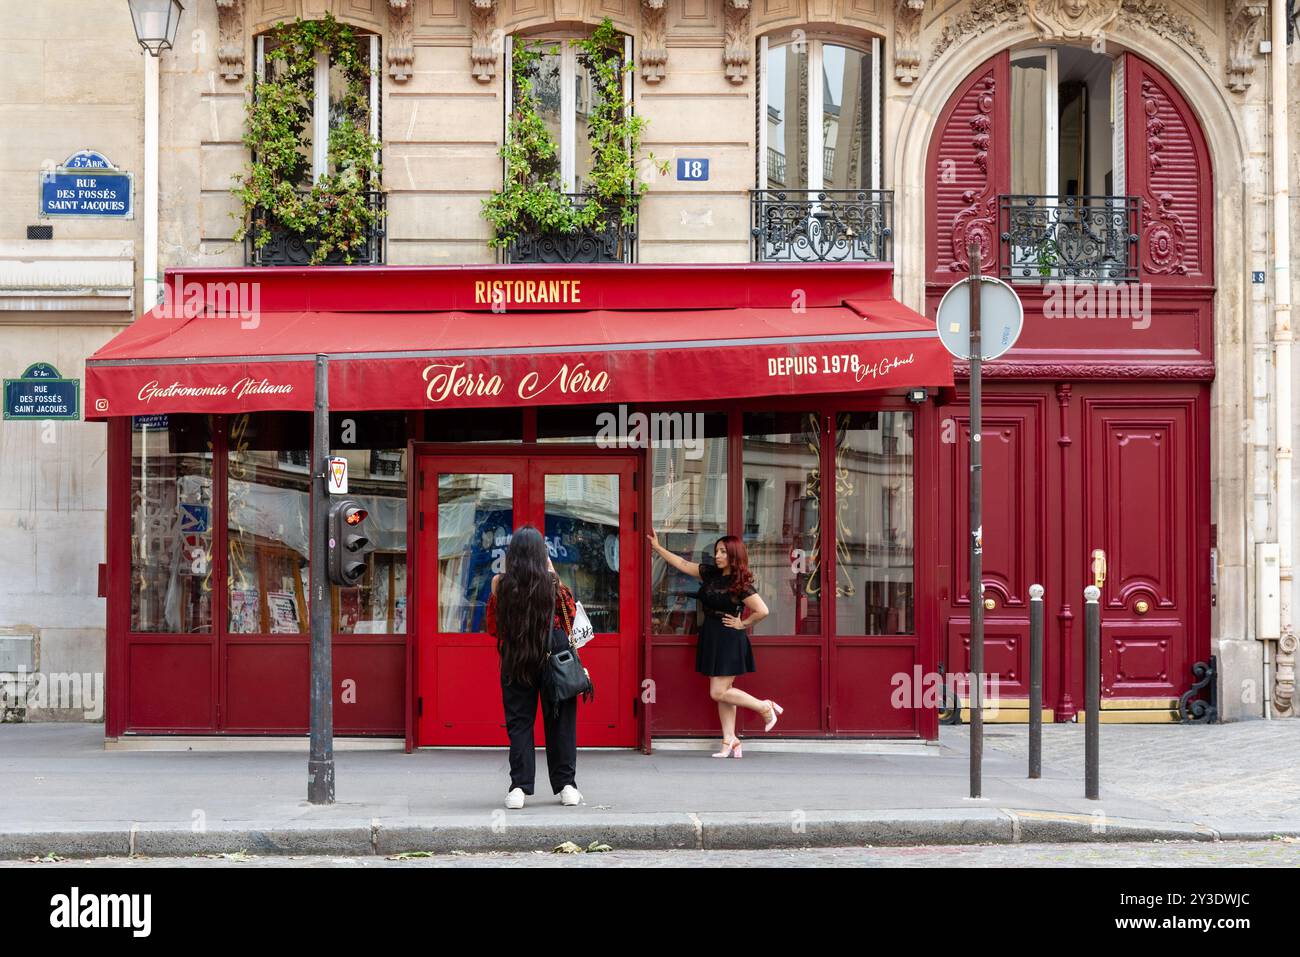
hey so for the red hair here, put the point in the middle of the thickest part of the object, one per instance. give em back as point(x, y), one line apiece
point(737, 563)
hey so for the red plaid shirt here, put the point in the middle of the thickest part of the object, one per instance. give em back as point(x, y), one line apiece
point(564, 605)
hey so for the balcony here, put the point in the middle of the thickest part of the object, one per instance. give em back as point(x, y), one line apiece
point(832, 225)
point(609, 241)
point(287, 248)
point(1079, 238)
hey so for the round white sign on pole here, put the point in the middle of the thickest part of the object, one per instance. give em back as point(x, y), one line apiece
point(1001, 318)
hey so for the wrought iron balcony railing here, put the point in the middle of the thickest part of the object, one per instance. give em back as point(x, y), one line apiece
point(1082, 238)
point(614, 243)
point(288, 248)
point(830, 225)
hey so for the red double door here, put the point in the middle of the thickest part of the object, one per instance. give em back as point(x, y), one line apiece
point(1070, 469)
point(469, 506)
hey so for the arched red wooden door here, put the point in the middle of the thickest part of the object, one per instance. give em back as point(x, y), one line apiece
point(1095, 429)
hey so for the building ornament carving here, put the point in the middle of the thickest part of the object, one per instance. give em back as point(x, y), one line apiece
point(485, 40)
point(737, 51)
point(1244, 19)
point(907, 40)
point(1156, 17)
point(401, 48)
point(230, 39)
point(1072, 19)
point(1018, 369)
point(654, 40)
point(1284, 679)
point(978, 220)
point(979, 17)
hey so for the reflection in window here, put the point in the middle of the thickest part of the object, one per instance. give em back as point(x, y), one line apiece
point(579, 423)
point(581, 531)
point(171, 524)
point(838, 150)
point(269, 514)
point(787, 117)
point(846, 118)
point(782, 473)
point(475, 520)
point(374, 444)
point(689, 506)
point(481, 425)
point(873, 533)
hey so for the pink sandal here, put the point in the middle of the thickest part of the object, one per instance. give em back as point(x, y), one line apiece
point(730, 749)
point(773, 709)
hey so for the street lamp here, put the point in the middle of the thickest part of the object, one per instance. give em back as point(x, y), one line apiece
point(155, 23)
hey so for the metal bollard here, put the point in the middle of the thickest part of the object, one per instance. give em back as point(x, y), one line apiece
point(1035, 681)
point(1092, 690)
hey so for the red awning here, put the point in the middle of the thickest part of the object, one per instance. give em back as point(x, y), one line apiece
point(228, 360)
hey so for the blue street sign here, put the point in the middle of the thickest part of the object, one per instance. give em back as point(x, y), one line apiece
point(87, 185)
point(693, 170)
point(41, 394)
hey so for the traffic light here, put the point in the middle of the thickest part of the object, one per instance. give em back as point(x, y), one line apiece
point(348, 542)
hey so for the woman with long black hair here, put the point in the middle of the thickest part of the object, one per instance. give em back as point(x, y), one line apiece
point(529, 614)
point(722, 650)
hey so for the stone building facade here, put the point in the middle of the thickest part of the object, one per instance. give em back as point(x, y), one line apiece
point(715, 80)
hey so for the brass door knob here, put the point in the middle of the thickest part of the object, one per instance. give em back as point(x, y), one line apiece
point(990, 604)
point(1142, 606)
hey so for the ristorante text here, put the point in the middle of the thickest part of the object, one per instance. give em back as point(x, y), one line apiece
point(527, 292)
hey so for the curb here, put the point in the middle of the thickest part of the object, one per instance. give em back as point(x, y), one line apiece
point(661, 832)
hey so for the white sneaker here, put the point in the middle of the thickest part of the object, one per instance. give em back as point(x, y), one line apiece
point(570, 796)
point(515, 799)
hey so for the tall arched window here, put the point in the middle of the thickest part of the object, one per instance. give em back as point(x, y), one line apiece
point(327, 91)
point(564, 92)
point(839, 85)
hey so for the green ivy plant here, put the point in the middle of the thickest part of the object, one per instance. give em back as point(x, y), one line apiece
point(530, 200)
point(333, 214)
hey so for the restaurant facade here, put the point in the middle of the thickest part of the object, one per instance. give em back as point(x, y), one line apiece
point(753, 352)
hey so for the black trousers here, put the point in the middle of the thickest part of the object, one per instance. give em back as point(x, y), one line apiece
point(561, 730)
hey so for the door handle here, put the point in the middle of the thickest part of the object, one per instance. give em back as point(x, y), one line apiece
point(1098, 567)
point(1142, 606)
point(990, 604)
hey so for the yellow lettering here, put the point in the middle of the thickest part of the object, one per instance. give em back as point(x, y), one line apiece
point(478, 291)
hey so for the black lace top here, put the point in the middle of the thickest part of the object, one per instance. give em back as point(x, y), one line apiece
point(716, 596)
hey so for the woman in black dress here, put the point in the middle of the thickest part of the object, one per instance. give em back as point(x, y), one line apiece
point(723, 651)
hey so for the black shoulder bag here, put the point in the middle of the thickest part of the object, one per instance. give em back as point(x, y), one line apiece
point(563, 676)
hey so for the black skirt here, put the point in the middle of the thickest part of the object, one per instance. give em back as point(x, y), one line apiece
point(721, 651)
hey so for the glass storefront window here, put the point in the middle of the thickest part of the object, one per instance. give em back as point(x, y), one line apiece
point(579, 423)
point(782, 517)
point(479, 425)
point(581, 531)
point(269, 515)
point(171, 524)
point(476, 516)
point(374, 444)
point(689, 505)
point(874, 570)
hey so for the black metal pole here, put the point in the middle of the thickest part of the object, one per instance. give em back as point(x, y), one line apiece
point(1092, 691)
point(976, 536)
point(1035, 681)
point(320, 766)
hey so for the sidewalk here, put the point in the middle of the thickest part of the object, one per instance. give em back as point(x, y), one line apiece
point(63, 793)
